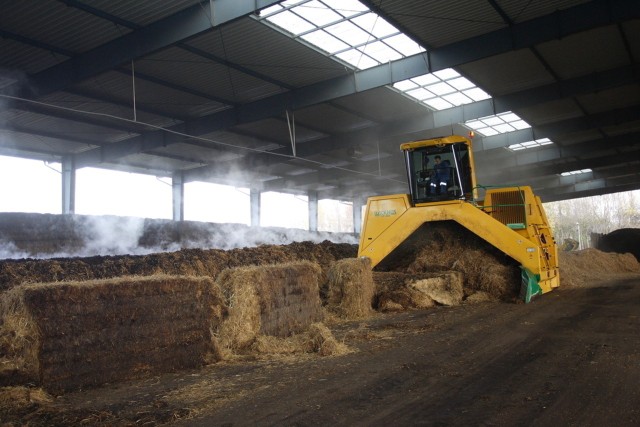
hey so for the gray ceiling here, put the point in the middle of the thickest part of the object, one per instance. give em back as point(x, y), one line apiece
point(213, 88)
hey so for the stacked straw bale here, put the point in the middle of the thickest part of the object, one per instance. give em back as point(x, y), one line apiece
point(275, 300)
point(72, 335)
point(350, 290)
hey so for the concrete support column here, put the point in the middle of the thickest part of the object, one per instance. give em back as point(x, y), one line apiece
point(313, 210)
point(254, 196)
point(177, 191)
point(68, 185)
point(357, 214)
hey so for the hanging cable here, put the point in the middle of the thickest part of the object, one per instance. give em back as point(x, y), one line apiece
point(291, 123)
point(133, 84)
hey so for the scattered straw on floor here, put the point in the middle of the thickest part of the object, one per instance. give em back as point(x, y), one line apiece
point(316, 339)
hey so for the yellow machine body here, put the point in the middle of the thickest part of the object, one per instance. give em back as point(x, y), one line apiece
point(511, 219)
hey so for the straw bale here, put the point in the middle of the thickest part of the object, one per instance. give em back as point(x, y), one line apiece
point(349, 289)
point(578, 268)
point(276, 300)
point(401, 291)
point(72, 335)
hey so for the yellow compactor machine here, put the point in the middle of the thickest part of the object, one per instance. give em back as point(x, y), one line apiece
point(442, 183)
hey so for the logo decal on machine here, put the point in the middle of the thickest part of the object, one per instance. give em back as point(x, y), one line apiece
point(389, 212)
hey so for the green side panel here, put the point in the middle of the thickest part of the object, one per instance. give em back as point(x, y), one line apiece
point(517, 226)
point(530, 287)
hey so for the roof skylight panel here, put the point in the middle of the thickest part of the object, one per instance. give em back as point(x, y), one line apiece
point(291, 22)
point(357, 59)
point(500, 123)
point(448, 85)
point(403, 44)
point(350, 33)
point(530, 144)
point(441, 88)
point(325, 41)
point(438, 103)
point(576, 172)
point(380, 52)
point(336, 25)
point(406, 85)
point(457, 98)
point(317, 13)
point(476, 94)
point(421, 94)
point(376, 25)
point(346, 8)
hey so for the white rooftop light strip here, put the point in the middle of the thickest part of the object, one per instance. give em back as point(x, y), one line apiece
point(530, 144)
point(344, 29)
point(576, 172)
point(442, 89)
point(498, 124)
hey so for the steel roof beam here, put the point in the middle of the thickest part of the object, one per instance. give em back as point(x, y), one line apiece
point(549, 27)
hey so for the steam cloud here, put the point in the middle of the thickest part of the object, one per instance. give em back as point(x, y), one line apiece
point(63, 236)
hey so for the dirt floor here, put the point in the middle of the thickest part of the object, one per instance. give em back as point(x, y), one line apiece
point(572, 357)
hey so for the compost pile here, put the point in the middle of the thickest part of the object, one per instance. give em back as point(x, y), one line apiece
point(591, 265)
point(624, 240)
point(446, 246)
point(186, 262)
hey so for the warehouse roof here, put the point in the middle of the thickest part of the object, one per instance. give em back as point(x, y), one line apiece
point(315, 96)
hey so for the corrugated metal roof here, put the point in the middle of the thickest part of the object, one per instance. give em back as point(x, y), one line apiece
point(173, 103)
point(596, 50)
point(10, 138)
point(383, 104)
point(519, 11)
point(277, 130)
point(64, 127)
point(439, 23)
point(118, 116)
point(263, 62)
point(27, 59)
point(56, 24)
point(201, 74)
point(141, 12)
point(262, 49)
point(506, 73)
point(605, 100)
point(330, 119)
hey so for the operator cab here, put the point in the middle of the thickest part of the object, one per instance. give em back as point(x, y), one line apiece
point(440, 171)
